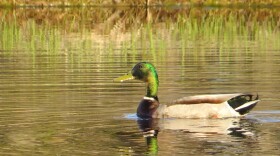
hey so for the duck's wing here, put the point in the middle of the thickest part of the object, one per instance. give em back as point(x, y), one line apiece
point(211, 98)
point(239, 102)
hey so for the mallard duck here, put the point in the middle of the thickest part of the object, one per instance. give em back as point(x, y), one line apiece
point(199, 106)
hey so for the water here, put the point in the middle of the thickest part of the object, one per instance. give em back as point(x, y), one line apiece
point(57, 95)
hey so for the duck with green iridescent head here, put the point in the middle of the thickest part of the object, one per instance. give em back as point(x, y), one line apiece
point(199, 106)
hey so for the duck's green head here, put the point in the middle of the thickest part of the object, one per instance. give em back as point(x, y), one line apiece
point(146, 72)
point(143, 71)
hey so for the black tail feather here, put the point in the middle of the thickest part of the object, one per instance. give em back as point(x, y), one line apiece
point(243, 103)
point(246, 109)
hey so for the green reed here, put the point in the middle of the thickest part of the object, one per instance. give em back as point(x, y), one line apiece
point(75, 38)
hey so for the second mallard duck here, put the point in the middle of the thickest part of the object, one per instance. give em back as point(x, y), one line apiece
point(200, 106)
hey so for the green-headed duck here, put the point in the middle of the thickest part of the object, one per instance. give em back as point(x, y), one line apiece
point(199, 106)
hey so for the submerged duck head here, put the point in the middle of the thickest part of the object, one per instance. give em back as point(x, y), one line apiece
point(145, 72)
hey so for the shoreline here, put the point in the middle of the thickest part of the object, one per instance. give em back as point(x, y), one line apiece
point(141, 3)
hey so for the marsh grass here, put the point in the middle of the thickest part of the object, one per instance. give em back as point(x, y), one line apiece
point(81, 34)
point(83, 3)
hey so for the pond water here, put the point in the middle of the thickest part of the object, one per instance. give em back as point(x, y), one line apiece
point(57, 95)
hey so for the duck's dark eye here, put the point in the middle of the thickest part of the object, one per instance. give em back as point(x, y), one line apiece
point(140, 66)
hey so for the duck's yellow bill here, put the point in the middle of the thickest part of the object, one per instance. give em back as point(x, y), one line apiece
point(124, 78)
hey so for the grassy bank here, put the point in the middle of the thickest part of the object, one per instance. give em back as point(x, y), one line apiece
point(68, 3)
point(53, 31)
point(104, 20)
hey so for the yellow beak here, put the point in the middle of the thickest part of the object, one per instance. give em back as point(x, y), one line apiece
point(124, 78)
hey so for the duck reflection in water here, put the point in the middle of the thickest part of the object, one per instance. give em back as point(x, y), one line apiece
point(196, 128)
point(150, 130)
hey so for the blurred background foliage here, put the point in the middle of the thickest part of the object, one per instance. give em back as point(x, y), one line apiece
point(253, 3)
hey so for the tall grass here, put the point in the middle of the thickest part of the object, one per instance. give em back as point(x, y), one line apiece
point(82, 3)
point(167, 33)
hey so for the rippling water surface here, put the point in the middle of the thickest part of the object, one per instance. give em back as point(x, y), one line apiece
point(57, 96)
